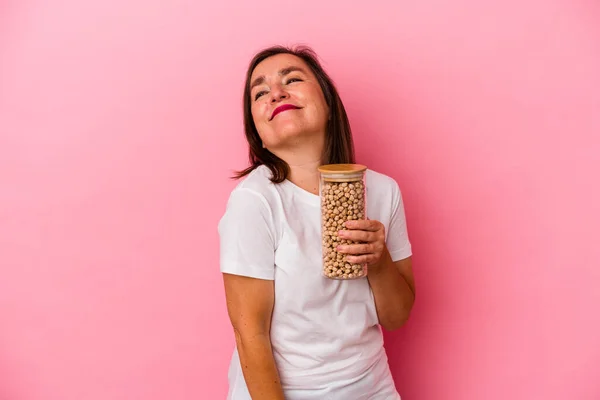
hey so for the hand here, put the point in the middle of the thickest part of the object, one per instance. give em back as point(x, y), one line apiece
point(371, 235)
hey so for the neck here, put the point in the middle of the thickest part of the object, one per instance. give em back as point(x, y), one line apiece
point(304, 161)
point(306, 175)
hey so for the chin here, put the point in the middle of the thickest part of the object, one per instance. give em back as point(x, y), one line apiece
point(295, 128)
point(287, 132)
point(294, 136)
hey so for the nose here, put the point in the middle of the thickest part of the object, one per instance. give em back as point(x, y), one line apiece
point(278, 94)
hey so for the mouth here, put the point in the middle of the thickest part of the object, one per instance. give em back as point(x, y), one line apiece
point(282, 108)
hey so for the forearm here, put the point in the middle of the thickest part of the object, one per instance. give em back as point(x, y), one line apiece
point(258, 366)
point(394, 297)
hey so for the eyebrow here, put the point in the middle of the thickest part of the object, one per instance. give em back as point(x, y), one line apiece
point(261, 79)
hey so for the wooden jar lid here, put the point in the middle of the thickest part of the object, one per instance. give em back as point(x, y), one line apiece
point(342, 172)
point(342, 168)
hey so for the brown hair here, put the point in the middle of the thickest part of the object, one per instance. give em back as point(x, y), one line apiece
point(339, 147)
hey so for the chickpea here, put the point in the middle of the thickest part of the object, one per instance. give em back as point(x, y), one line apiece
point(340, 202)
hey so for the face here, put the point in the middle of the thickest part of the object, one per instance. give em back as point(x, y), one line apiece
point(287, 102)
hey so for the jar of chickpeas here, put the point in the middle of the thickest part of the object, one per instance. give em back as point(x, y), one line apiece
point(342, 191)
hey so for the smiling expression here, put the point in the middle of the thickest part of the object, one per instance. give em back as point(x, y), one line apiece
point(287, 101)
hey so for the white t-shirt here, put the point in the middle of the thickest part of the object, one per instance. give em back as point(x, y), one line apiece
point(325, 335)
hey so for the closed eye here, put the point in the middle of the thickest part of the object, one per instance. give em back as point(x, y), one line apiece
point(293, 80)
point(259, 94)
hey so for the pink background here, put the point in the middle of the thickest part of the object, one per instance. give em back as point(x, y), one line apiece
point(121, 120)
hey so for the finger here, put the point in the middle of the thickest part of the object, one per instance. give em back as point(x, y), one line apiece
point(358, 235)
point(362, 259)
point(355, 248)
point(364, 224)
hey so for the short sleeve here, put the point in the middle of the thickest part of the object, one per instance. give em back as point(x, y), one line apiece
point(246, 236)
point(398, 242)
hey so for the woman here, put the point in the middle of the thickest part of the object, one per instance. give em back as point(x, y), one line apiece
point(298, 334)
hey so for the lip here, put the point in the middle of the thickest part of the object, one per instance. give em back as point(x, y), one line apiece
point(283, 107)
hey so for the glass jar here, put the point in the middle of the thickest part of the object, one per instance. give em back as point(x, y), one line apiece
point(342, 190)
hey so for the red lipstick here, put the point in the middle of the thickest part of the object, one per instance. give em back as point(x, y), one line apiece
point(283, 107)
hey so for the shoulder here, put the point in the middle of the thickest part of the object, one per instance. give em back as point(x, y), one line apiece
point(253, 192)
point(257, 181)
point(381, 184)
point(248, 206)
point(383, 193)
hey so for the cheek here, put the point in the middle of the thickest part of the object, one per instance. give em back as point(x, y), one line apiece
point(322, 109)
point(254, 110)
point(260, 111)
point(260, 123)
point(321, 112)
point(257, 116)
